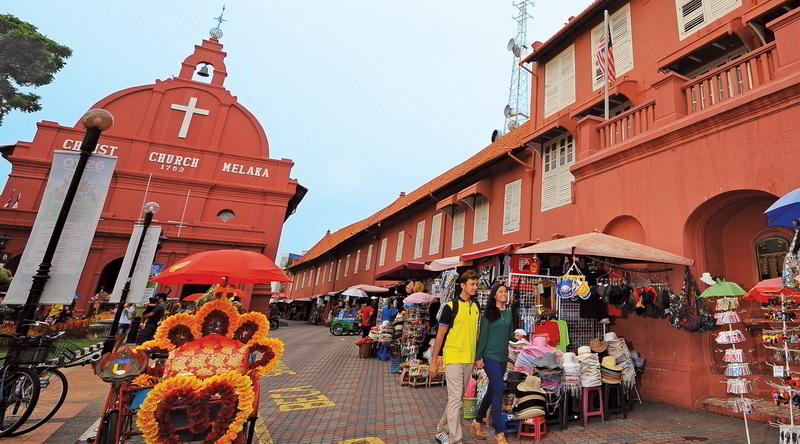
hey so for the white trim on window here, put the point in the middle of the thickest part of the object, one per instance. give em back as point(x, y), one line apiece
point(459, 217)
point(330, 273)
point(621, 39)
point(316, 279)
point(401, 237)
point(480, 228)
point(694, 15)
point(419, 239)
point(382, 256)
point(557, 156)
point(512, 197)
point(559, 81)
point(346, 265)
point(369, 258)
point(358, 259)
point(338, 269)
point(436, 233)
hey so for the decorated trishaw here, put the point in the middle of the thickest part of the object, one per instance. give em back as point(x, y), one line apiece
point(198, 380)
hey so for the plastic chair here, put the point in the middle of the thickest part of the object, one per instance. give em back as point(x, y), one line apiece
point(538, 426)
point(587, 392)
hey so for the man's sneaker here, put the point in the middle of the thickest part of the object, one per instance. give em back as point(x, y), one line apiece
point(441, 438)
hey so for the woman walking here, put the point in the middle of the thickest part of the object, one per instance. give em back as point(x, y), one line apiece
point(496, 330)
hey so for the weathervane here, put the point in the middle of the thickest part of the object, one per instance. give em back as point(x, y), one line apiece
point(216, 32)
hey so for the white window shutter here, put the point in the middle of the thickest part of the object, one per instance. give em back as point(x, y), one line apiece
point(401, 237)
point(419, 239)
point(382, 257)
point(480, 231)
point(458, 229)
point(369, 258)
point(567, 77)
point(621, 38)
point(358, 259)
point(436, 233)
point(565, 179)
point(330, 272)
point(346, 265)
point(691, 17)
point(552, 76)
point(597, 77)
point(338, 269)
point(549, 190)
point(511, 206)
point(718, 8)
point(316, 280)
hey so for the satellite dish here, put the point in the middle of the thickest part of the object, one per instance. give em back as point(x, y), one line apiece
point(507, 111)
point(511, 44)
point(516, 50)
point(495, 135)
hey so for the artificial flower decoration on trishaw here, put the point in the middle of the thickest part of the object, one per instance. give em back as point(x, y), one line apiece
point(210, 354)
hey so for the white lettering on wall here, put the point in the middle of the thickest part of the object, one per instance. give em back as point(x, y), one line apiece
point(173, 162)
point(247, 170)
point(101, 148)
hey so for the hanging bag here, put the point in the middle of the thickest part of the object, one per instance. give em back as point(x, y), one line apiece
point(695, 315)
point(791, 264)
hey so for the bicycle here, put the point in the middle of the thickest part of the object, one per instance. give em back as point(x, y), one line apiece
point(53, 385)
point(19, 383)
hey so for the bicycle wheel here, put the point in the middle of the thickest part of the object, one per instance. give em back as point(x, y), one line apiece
point(52, 392)
point(18, 399)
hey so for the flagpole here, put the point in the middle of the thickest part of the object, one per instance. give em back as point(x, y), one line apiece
point(605, 62)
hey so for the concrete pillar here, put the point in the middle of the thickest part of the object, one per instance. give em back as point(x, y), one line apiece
point(786, 29)
point(670, 99)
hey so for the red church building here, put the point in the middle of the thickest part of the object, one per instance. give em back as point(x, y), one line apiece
point(183, 142)
point(702, 138)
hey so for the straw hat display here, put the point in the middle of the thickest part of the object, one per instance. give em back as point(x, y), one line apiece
point(610, 372)
point(598, 346)
point(530, 399)
point(590, 367)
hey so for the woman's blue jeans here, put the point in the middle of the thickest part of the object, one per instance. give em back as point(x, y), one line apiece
point(494, 395)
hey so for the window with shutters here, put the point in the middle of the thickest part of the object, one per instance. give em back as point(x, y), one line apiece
point(316, 279)
point(511, 206)
point(419, 239)
point(557, 155)
point(303, 280)
point(480, 229)
point(559, 81)
point(369, 258)
point(622, 41)
point(398, 254)
point(436, 233)
point(346, 265)
point(696, 14)
point(358, 259)
point(458, 228)
point(338, 269)
point(382, 256)
point(330, 272)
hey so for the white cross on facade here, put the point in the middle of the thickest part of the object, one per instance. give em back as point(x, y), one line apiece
point(189, 111)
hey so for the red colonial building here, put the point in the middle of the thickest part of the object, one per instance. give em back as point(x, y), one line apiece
point(183, 142)
point(702, 139)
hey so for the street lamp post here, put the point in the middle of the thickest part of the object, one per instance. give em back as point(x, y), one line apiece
point(95, 121)
point(150, 208)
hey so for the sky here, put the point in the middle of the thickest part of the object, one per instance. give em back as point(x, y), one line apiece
point(368, 98)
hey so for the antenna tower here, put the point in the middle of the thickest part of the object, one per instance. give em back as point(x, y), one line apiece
point(518, 109)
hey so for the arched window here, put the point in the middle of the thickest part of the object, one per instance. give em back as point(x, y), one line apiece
point(770, 253)
point(226, 215)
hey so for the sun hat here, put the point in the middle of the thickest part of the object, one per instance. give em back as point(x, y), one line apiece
point(520, 331)
point(610, 363)
point(530, 384)
point(597, 345)
point(583, 289)
point(547, 360)
point(570, 358)
point(610, 336)
point(539, 345)
point(584, 349)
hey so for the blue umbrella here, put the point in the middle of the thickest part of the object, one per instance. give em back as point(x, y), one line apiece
point(785, 211)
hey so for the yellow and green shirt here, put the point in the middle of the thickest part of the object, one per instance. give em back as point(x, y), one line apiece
point(459, 347)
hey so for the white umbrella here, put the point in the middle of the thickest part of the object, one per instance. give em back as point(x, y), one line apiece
point(370, 288)
point(355, 292)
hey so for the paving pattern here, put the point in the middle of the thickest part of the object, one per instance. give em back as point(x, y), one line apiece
point(324, 394)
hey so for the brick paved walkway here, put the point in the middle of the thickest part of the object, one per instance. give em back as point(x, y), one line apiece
point(325, 394)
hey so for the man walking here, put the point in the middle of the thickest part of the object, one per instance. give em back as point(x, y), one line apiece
point(456, 339)
point(366, 319)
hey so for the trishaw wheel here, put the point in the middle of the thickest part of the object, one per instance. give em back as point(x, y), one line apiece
point(107, 428)
point(337, 330)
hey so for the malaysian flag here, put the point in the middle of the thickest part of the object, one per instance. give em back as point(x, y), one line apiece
point(601, 53)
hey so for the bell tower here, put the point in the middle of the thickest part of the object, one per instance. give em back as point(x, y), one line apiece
point(208, 53)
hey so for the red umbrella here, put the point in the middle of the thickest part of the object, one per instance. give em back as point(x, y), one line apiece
point(771, 288)
point(223, 267)
point(193, 297)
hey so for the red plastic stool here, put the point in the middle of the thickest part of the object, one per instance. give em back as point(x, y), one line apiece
point(538, 424)
point(587, 391)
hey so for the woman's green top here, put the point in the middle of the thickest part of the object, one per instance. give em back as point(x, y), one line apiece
point(494, 337)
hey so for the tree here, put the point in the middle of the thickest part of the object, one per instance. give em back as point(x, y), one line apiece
point(27, 58)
